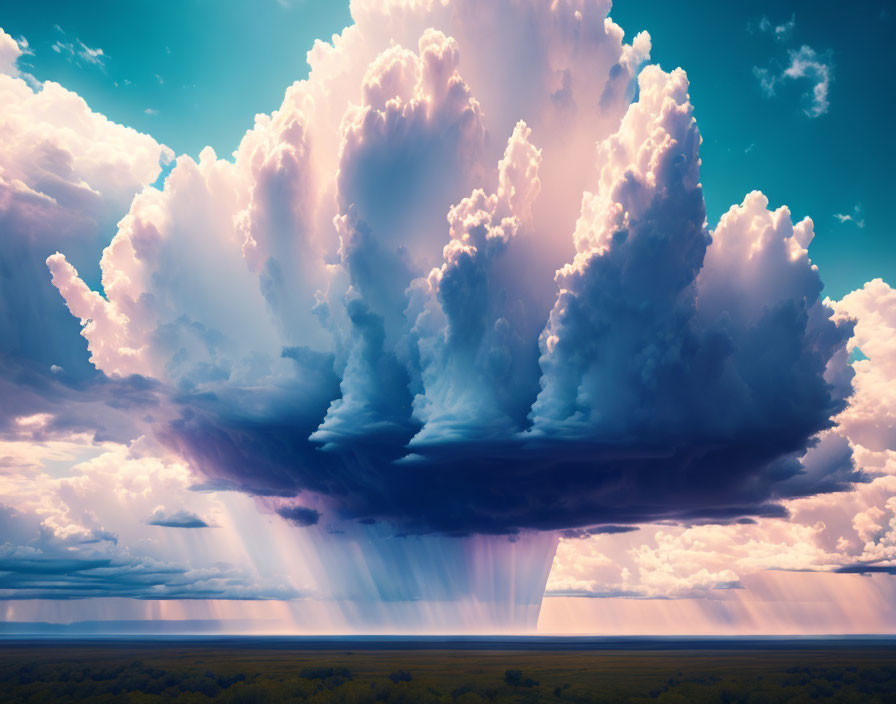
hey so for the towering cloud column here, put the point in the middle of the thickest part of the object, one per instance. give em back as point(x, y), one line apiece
point(458, 293)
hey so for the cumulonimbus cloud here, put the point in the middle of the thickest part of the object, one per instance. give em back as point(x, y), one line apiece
point(460, 282)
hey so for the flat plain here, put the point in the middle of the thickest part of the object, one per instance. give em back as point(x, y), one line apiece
point(356, 672)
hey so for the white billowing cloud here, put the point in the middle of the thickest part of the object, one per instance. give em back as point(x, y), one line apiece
point(418, 114)
point(57, 150)
point(66, 176)
point(677, 562)
point(156, 321)
point(763, 254)
point(756, 273)
point(121, 359)
point(871, 417)
point(10, 51)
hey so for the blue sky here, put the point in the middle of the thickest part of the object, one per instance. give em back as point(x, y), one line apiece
point(203, 72)
point(203, 69)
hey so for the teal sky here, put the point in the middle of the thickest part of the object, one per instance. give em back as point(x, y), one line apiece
point(195, 72)
point(201, 68)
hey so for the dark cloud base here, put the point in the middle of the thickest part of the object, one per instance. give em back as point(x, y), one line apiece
point(510, 487)
point(178, 519)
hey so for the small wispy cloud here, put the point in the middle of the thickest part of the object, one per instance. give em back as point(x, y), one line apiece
point(92, 56)
point(854, 217)
point(766, 79)
point(24, 47)
point(806, 63)
point(77, 51)
point(151, 111)
point(778, 31)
